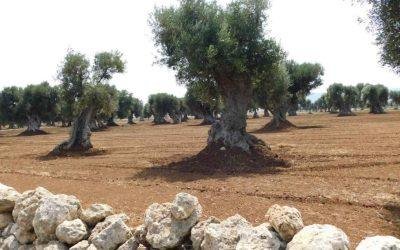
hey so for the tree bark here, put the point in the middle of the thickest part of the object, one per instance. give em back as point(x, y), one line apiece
point(130, 118)
point(278, 118)
point(80, 134)
point(255, 114)
point(230, 131)
point(34, 123)
point(208, 119)
point(176, 118)
point(266, 113)
point(376, 109)
point(158, 119)
point(345, 111)
point(111, 122)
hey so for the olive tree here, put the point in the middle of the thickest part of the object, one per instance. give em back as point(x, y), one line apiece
point(343, 98)
point(395, 97)
point(38, 104)
point(376, 97)
point(91, 94)
point(225, 45)
point(203, 101)
point(163, 104)
point(303, 78)
point(10, 97)
point(271, 91)
point(128, 106)
point(385, 19)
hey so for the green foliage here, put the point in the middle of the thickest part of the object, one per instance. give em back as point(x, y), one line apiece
point(342, 98)
point(10, 98)
point(322, 103)
point(385, 19)
point(202, 99)
point(375, 96)
point(82, 87)
point(395, 97)
point(39, 100)
point(303, 78)
point(127, 105)
point(271, 88)
point(106, 64)
point(147, 111)
point(162, 104)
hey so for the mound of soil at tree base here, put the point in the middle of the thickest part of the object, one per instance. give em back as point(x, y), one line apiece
point(76, 153)
point(216, 158)
point(283, 126)
point(32, 133)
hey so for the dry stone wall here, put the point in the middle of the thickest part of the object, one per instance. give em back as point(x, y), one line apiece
point(40, 220)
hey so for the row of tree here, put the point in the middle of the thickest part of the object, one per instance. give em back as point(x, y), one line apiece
point(344, 99)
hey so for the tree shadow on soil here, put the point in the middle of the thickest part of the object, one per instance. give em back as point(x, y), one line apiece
point(213, 162)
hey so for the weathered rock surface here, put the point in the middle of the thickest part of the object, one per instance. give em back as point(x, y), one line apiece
point(26, 206)
point(112, 236)
point(197, 233)
point(108, 221)
point(260, 237)
point(52, 211)
point(379, 243)
point(83, 245)
point(184, 205)
point(52, 245)
point(5, 219)
point(71, 232)
point(164, 230)
point(131, 244)
point(285, 220)
point(10, 243)
point(24, 237)
point(225, 235)
point(9, 230)
point(8, 197)
point(95, 213)
point(319, 237)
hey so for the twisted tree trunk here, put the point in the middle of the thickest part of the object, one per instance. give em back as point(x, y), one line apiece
point(130, 118)
point(266, 113)
point(80, 134)
point(230, 131)
point(345, 111)
point(255, 114)
point(376, 108)
point(34, 123)
point(278, 118)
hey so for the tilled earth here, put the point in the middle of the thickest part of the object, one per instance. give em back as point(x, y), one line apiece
point(344, 171)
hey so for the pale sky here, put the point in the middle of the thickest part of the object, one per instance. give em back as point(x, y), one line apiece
point(35, 36)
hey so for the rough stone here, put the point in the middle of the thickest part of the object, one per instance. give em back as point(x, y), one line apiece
point(285, 220)
point(95, 213)
point(140, 235)
point(319, 237)
point(197, 233)
point(71, 232)
point(26, 206)
point(5, 219)
point(112, 236)
point(184, 205)
point(9, 230)
point(52, 245)
point(261, 237)
point(83, 245)
point(163, 229)
point(8, 197)
point(379, 243)
point(10, 243)
point(24, 237)
point(52, 212)
point(108, 221)
point(131, 244)
point(225, 235)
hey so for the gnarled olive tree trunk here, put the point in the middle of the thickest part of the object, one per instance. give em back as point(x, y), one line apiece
point(111, 122)
point(230, 131)
point(278, 118)
point(80, 134)
point(130, 118)
point(266, 113)
point(159, 119)
point(376, 109)
point(34, 123)
point(255, 114)
point(345, 111)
